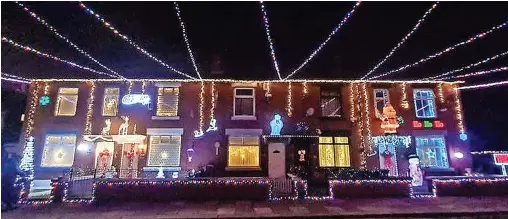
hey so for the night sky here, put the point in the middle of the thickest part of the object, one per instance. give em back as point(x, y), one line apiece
point(234, 32)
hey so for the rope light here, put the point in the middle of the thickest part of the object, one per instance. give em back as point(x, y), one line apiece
point(269, 37)
point(15, 80)
point(186, 39)
point(56, 33)
point(403, 40)
point(46, 55)
point(449, 49)
point(478, 73)
point(483, 85)
point(468, 66)
point(335, 30)
point(126, 39)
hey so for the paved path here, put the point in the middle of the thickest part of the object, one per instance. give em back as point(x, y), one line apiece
point(493, 207)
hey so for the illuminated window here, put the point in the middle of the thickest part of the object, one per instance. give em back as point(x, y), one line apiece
point(66, 102)
point(425, 106)
point(167, 101)
point(164, 150)
point(244, 102)
point(432, 151)
point(58, 151)
point(243, 152)
point(334, 152)
point(381, 98)
point(330, 103)
point(110, 101)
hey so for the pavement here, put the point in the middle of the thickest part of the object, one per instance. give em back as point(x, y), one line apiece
point(444, 207)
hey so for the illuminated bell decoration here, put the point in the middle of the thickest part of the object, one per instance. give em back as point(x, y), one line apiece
point(389, 124)
point(44, 100)
point(276, 125)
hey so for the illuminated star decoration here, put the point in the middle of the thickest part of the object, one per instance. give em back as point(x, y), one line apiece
point(431, 154)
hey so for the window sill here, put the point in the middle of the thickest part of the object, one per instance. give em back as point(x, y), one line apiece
point(165, 117)
point(243, 168)
point(243, 118)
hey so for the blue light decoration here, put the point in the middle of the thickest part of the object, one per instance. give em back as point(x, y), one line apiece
point(131, 99)
point(276, 125)
point(44, 101)
point(463, 136)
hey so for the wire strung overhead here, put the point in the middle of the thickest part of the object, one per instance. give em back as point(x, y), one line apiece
point(126, 39)
point(402, 41)
point(478, 73)
point(46, 55)
point(187, 43)
point(335, 30)
point(269, 37)
point(56, 33)
point(483, 85)
point(14, 78)
point(468, 66)
point(449, 49)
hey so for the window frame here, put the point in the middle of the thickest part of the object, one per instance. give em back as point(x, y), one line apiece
point(253, 97)
point(415, 99)
point(177, 102)
point(117, 101)
point(169, 145)
point(57, 105)
point(443, 149)
point(339, 97)
point(386, 99)
point(254, 168)
point(60, 136)
point(335, 144)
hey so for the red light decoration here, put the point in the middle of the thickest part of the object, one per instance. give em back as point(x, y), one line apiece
point(428, 124)
point(417, 124)
point(501, 159)
point(438, 124)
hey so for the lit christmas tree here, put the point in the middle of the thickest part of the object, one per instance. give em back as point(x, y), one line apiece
point(27, 162)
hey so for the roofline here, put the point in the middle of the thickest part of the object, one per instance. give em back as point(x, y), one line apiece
point(252, 81)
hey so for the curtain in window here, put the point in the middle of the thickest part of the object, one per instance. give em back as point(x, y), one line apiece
point(167, 101)
point(67, 101)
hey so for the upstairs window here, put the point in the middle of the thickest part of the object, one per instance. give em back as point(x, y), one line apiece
point(432, 151)
point(167, 101)
point(334, 152)
point(330, 103)
point(58, 151)
point(243, 152)
point(164, 150)
point(66, 102)
point(110, 101)
point(425, 105)
point(244, 104)
point(381, 98)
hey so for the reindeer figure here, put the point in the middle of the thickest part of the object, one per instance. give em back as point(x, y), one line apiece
point(105, 129)
point(124, 127)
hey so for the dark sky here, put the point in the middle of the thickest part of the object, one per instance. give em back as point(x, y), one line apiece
point(234, 31)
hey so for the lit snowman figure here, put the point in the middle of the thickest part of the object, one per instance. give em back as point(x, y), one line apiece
point(415, 172)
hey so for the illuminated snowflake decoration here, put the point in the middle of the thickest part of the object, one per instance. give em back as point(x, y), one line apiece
point(44, 100)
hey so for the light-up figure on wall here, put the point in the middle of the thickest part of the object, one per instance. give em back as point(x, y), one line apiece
point(213, 125)
point(107, 127)
point(276, 125)
point(415, 172)
point(124, 127)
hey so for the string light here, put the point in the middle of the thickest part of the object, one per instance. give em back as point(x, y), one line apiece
point(199, 132)
point(449, 49)
point(15, 77)
point(15, 80)
point(402, 41)
point(483, 85)
point(363, 161)
point(54, 31)
point(478, 73)
point(488, 152)
point(305, 89)
point(270, 42)
point(186, 39)
point(212, 104)
point(458, 113)
point(65, 197)
point(27, 161)
point(143, 87)
point(46, 55)
point(469, 66)
point(440, 92)
point(117, 33)
point(131, 84)
point(335, 30)
point(335, 183)
point(367, 118)
point(289, 106)
point(458, 182)
point(403, 102)
point(89, 111)
point(352, 103)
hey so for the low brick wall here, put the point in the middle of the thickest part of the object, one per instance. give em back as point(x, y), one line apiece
point(370, 188)
point(142, 190)
point(471, 187)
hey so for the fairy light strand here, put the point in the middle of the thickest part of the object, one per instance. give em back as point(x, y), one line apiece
point(89, 111)
point(73, 45)
point(335, 30)
point(305, 89)
point(468, 66)
point(478, 73)
point(493, 84)
point(46, 55)
point(402, 41)
point(449, 49)
point(363, 161)
point(212, 108)
point(186, 39)
point(15, 80)
point(117, 33)
point(15, 76)
point(440, 93)
point(351, 103)
point(269, 38)
point(458, 113)
point(367, 116)
point(289, 106)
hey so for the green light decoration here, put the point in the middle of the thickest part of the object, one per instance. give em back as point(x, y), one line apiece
point(400, 120)
point(44, 100)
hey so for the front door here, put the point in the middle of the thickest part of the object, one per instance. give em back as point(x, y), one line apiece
point(276, 160)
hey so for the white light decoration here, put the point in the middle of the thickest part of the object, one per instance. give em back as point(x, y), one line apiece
point(305, 89)
point(440, 92)
point(269, 38)
point(403, 101)
point(130, 99)
point(351, 103)
point(198, 133)
point(289, 106)
point(276, 125)
point(392, 140)
point(444, 51)
point(458, 116)
point(487, 85)
point(468, 66)
point(56, 33)
point(363, 161)
point(186, 39)
point(89, 110)
point(213, 121)
point(27, 161)
point(335, 30)
point(117, 33)
point(15, 77)
point(83, 147)
point(367, 119)
point(46, 55)
point(458, 155)
point(15, 80)
point(402, 41)
point(478, 73)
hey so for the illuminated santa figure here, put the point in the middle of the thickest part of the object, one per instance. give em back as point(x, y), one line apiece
point(103, 163)
point(389, 124)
